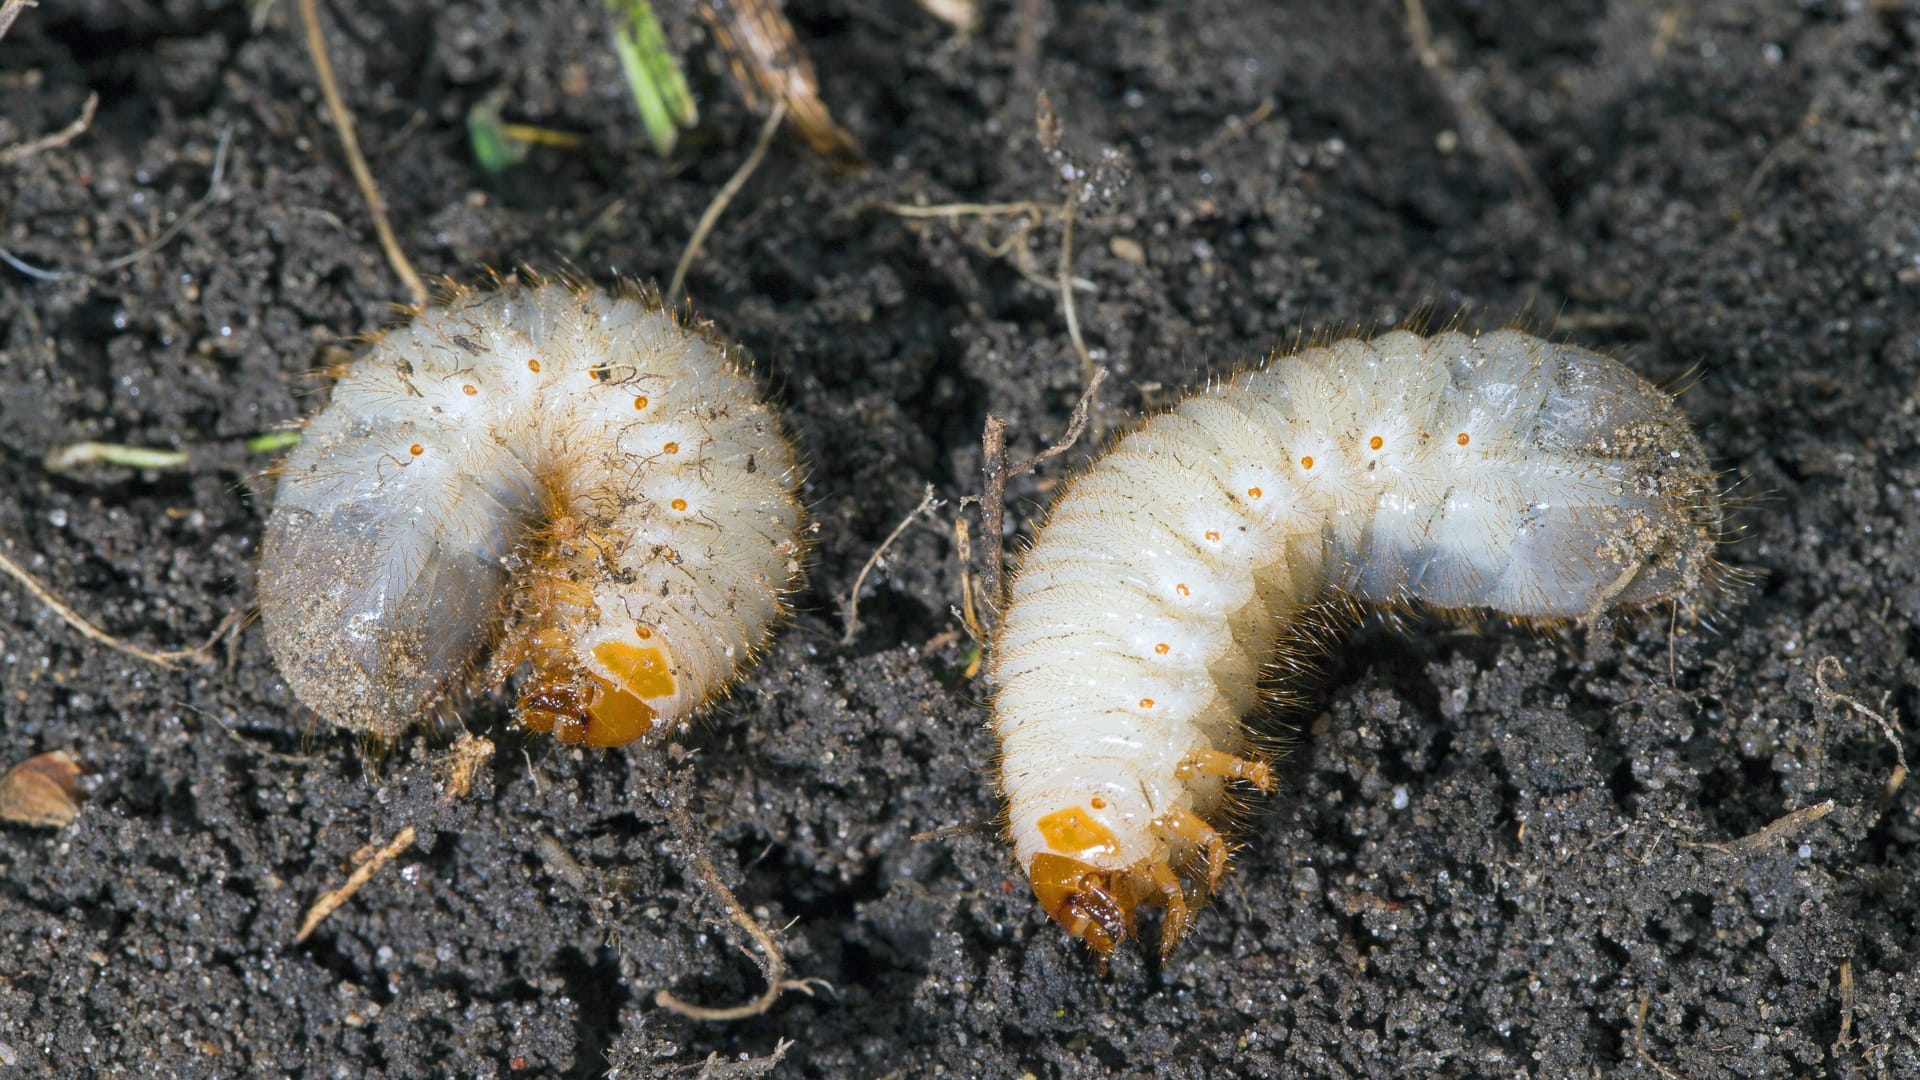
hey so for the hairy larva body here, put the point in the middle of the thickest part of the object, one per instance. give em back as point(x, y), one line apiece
point(1496, 472)
point(545, 475)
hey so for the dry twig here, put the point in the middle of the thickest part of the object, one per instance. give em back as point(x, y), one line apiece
point(773, 965)
point(356, 163)
point(963, 550)
point(852, 605)
point(719, 204)
point(14, 155)
point(333, 898)
point(993, 511)
point(1846, 1005)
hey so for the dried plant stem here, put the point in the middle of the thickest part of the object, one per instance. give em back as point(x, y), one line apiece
point(993, 513)
point(356, 163)
point(719, 204)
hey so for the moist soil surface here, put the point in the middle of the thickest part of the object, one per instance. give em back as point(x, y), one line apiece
point(1495, 850)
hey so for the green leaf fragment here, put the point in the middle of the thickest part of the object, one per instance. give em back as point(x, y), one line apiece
point(660, 91)
point(492, 149)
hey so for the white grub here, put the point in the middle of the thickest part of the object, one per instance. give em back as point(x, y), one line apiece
point(1495, 473)
point(544, 475)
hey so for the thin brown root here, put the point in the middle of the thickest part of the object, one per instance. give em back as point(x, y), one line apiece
point(1640, 1039)
point(168, 658)
point(852, 604)
point(719, 204)
point(1068, 213)
point(772, 964)
point(331, 899)
point(1483, 132)
point(993, 511)
point(1886, 717)
point(356, 163)
point(1017, 247)
point(1780, 828)
point(166, 236)
point(1076, 426)
point(1846, 1006)
point(13, 155)
point(717, 1068)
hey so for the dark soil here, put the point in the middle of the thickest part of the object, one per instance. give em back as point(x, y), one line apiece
point(1496, 852)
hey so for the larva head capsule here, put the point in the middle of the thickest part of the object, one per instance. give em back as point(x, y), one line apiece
point(1093, 905)
point(1098, 857)
point(1079, 863)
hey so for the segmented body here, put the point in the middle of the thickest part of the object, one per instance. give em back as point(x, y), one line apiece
point(548, 476)
point(1498, 472)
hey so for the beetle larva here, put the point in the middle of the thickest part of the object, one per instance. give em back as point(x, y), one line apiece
point(545, 475)
point(1498, 472)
